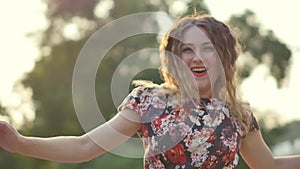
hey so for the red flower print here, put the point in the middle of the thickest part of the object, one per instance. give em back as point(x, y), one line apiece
point(176, 112)
point(212, 137)
point(229, 157)
point(176, 154)
point(133, 102)
point(211, 162)
point(157, 123)
point(232, 155)
point(144, 131)
point(225, 158)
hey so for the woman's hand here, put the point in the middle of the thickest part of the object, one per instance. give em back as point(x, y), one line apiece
point(10, 139)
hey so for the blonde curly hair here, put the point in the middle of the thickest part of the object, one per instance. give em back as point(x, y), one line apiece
point(226, 44)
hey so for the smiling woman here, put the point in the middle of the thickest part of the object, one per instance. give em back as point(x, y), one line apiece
point(199, 54)
point(182, 124)
point(177, 128)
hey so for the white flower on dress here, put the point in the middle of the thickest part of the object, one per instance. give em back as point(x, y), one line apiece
point(210, 107)
point(180, 167)
point(157, 164)
point(196, 142)
point(182, 115)
point(178, 131)
point(229, 138)
point(158, 103)
point(195, 120)
point(160, 126)
point(199, 158)
point(236, 160)
point(211, 121)
point(153, 143)
point(217, 104)
point(199, 112)
point(225, 111)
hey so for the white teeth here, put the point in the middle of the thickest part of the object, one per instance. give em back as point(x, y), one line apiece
point(198, 69)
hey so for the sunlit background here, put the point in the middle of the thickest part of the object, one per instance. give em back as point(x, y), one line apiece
point(19, 52)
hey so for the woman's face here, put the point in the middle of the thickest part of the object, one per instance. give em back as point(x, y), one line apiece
point(200, 56)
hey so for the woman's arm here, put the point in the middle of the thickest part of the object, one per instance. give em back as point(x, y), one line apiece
point(258, 156)
point(256, 153)
point(289, 162)
point(72, 149)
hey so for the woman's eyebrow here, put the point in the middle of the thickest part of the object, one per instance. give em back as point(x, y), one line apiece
point(207, 43)
point(192, 44)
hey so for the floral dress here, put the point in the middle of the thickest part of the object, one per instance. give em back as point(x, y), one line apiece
point(186, 136)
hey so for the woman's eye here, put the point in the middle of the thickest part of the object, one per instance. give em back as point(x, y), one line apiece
point(208, 48)
point(187, 49)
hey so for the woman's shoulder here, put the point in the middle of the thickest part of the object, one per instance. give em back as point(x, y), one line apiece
point(149, 88)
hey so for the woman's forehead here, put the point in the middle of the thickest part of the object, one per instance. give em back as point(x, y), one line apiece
point(195, 35)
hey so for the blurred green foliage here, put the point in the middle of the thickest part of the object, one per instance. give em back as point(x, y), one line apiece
point(51, 78)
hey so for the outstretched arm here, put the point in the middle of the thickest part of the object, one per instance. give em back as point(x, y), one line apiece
point(289, 162)
point(258, 156)
point(72, 149)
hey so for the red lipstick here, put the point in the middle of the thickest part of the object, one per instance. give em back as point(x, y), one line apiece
point(199, 71)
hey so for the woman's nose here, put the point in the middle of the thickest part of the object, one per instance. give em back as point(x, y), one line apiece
point(197, 57)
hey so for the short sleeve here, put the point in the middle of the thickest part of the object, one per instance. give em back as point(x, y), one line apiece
point(253, 123)
point(136, 100)
point(251, 120)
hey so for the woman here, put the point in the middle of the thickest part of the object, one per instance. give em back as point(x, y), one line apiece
point(193, 120)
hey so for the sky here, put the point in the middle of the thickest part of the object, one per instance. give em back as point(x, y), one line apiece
point(18, 52)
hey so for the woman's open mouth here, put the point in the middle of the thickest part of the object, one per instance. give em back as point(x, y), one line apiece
point(199, 71)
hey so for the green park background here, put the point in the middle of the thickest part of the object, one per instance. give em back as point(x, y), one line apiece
point(51, 78)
